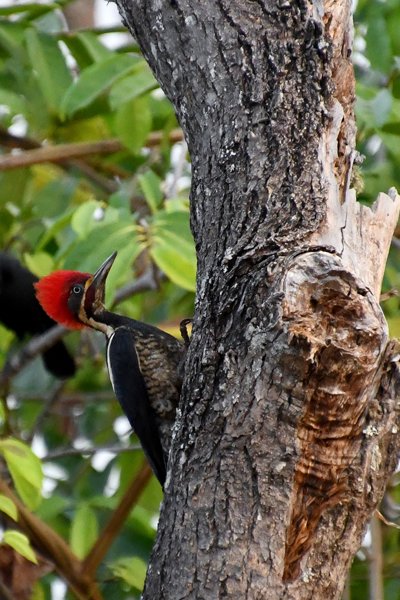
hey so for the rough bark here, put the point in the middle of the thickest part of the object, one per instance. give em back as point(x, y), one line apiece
point(288, 423)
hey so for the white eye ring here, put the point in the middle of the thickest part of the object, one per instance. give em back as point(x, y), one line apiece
point(77, 289)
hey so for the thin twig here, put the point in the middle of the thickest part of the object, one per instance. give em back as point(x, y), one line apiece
point(43, 342)
point(63, 152)
point(35, 346)
point(5, 593)
point(9, 140)
point(48, 405)
point(376, 561)
point(58, 153)
point(110, 531)
point(108, 185)
point(380, 516)
point(53, 547)
point(389, 294)
point(146, 282)
point(114, 449)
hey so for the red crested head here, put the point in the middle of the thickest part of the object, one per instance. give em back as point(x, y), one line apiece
point(54, 293)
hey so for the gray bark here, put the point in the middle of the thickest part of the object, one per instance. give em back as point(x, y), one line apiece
point(288, 422)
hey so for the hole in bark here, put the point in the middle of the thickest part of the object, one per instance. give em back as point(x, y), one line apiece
point(348, 377)
point(313, 302)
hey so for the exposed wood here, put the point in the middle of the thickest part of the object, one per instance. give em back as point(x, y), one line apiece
point(341, 334)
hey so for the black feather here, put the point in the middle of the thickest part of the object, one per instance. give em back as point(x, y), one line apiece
point(21, 312)
point(131, 392)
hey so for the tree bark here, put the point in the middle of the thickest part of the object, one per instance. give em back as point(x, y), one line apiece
point(288, 425)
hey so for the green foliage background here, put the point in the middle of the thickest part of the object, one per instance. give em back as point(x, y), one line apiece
point(60, 87)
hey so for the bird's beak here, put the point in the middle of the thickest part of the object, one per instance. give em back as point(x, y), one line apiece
point(96, 290)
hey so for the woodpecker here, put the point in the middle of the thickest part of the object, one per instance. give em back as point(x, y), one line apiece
point(21, 312)
point(144, 363)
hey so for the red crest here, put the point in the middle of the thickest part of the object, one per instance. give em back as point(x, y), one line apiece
point(53, 292)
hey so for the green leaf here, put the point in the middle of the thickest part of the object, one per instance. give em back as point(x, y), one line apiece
point(84, 218)
point(86, 48)
point(49, 65)
point(54, 229)
point(15, 102)
point(88, 254)
point(131, 570)
point(40, 263)
point(33, 9)
point(25, 469)
point(392, 127)
point(11, 38)
point(20, 543)
point(53, 507)
point(13, 184)
point(8, 507)
point(94, 81)
point(84, 531)
point(38, 592)
point(375, 112)
point(172, 248)
point(151, 188)
point(133, 123)
point(378, 41)
point(140, 81)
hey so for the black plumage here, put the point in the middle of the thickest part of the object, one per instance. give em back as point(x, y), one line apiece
point(145, 365)
point(21, 312)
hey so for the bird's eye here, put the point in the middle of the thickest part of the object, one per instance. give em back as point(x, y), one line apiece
point(77, 289)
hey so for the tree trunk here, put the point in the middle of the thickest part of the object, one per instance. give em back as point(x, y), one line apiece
point(287, 430)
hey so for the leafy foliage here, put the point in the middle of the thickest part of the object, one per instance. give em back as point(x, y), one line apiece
point(20, 543)
point(25, 469)
point(63, 90)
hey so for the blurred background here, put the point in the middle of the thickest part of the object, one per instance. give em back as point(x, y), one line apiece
point(92, 160)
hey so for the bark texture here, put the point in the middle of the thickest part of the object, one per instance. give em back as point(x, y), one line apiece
point(288, 423)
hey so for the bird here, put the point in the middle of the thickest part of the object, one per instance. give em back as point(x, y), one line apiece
point(144, 363)
point(21, 312)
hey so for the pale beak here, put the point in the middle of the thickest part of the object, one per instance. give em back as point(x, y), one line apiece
point(96, 290)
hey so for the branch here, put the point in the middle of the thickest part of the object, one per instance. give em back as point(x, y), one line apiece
point(5, 593)
point(35, 346)
point(58, 153)
point(48, 405)
point(110, 531)
point(115, 449)
point(375, 561)
point(146, 282)
point(52, 546)
point(63, 152)
point(41, 343)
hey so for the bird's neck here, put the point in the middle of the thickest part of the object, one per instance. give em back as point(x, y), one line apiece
point(106, 322)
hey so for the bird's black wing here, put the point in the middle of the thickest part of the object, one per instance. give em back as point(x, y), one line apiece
point(130, 390)
point(21, 312)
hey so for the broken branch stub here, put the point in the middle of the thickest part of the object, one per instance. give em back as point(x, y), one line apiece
point(332, 314)
point(341, 334)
